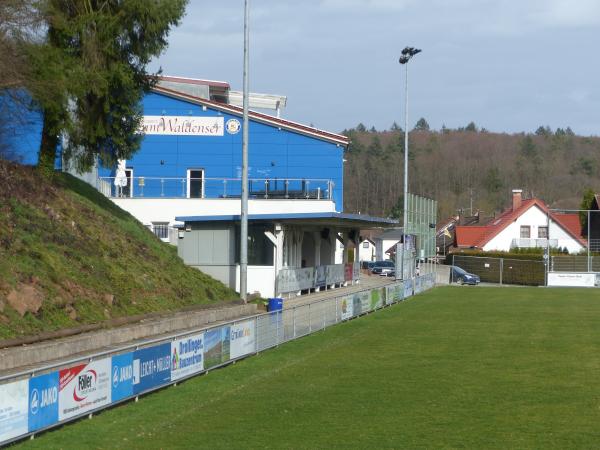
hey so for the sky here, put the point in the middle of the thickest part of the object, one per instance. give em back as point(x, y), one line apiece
point(507, 65)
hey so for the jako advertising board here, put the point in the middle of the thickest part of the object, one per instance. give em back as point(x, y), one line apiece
point(243, 339)
point(347, 307)
point(365, 302)
point(13, 409)
point(151, 367)
point(43, 401)
point(83, 388)
point(122, 376)
point(408, 288)
point(187, 356)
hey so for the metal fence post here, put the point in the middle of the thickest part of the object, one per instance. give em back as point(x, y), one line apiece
point(452, 272)
point(589, 265)
point(294, 322)
point(277, 326)
point(336, 310)
point(501, 269)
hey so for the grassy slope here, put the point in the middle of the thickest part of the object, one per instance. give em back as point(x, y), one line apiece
point(75, 246)
point(455, 367)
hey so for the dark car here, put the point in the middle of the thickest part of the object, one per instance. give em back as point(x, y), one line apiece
point(367, 264)
point(383, 267)
point(461, 276)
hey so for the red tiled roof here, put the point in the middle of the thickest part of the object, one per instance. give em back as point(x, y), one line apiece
point(479, 236)
point(260, 117)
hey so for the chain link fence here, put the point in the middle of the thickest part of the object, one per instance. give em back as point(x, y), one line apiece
point(503, 270)
point(38, 399)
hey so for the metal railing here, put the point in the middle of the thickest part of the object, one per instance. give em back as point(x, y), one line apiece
point(182, 187)
point(534, 243)
point(295, 279)
point(37, 399)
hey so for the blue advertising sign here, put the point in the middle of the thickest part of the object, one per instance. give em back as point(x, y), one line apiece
point(151, 367)
point(43, 401)
point(121, 376)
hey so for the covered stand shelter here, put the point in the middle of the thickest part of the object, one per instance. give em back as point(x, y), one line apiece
point(287, 253)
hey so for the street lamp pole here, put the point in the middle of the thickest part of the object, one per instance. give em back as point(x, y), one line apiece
point(244, 205)
point(407, 54)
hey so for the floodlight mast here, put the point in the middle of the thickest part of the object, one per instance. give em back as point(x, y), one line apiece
point(244, 199)
point(406, 55)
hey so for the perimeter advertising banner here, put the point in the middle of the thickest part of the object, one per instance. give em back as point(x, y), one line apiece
point(243, 338)
point(356, 305)
point(346, 306)
point(187, 356)
point(394, 293)
point(320, 276)
point(13, 409)
point(365, 302)
point(43, 401)
point(216, 346)
point(151, 367)
point(418, 285)
point(408, 288)
point(83, 388)
point(122, 376)
point(376, 299)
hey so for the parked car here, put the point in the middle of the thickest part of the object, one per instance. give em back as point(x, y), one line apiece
point(367, 264)
point(383, 267)
point(461, 276)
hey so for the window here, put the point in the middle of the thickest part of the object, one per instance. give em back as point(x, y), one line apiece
point(543, 232)
point(161, 229)
point(366, 244)
point(260, 248)
point(195, 183)
point(525, 231)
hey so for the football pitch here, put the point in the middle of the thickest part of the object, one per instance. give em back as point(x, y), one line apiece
point(456, 367)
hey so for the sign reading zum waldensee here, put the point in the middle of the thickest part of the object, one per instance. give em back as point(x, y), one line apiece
point(183, 125)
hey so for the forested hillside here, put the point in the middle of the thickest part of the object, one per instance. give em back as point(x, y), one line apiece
point(454, 166)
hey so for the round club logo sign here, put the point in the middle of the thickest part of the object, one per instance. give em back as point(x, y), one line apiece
point(233, 126)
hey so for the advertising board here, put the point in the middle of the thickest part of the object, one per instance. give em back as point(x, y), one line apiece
point(187, 356)
point(13, 409)
point(376, 298)
point(43, 401)
point(151, 367)
point(83, 388)
point(216, 346)
point(408, 288)
point(346, 307)
point(122, 376)
point(243, 338)
point(571, 279)
point(394, 293)
point(365, 301)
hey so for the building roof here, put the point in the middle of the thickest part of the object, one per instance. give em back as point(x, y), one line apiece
point(320, 218)
point(256, 116)
point(187, 80)
point(479, 236)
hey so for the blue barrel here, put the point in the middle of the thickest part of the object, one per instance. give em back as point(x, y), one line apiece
point(275, 304)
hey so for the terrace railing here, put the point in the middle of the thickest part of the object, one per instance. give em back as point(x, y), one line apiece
point(258, 188)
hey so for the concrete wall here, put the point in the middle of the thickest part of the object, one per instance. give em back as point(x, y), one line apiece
point(37, 354)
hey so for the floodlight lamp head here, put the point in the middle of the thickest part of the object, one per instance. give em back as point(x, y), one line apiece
point(403, 59)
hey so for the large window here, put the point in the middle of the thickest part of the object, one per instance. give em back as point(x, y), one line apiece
point(525, 231)
point(260, 248)
point(543, 232)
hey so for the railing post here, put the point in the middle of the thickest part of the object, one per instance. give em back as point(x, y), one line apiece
point(183, 187)
point(277, 326)
point(287, 191)
point(309, 322)
point(501, 269)
point(319, 193)
point(162, 187)
point(224, 188)
point(266, 188)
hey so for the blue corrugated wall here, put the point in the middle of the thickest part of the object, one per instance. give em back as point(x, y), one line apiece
point(273, 153)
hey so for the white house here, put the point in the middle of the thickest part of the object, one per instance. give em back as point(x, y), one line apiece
point(366, 250)
point(527, 224)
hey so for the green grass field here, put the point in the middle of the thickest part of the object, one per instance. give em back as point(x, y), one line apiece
point(453, 368)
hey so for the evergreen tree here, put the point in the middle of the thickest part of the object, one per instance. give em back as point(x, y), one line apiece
point(471, 127)
point(361, 128)
point(421, 125)
point(94, 59)
point(373, 130)
point(395, 127)
point(375, 148)
point(586, 204)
